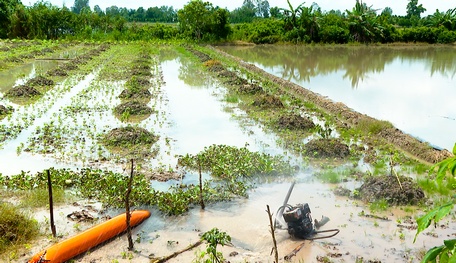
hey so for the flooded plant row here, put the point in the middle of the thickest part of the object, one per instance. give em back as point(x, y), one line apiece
point(198, 126)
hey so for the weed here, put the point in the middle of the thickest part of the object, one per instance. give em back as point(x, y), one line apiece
point(380, 205)
point(40, 197)
point(17, 227)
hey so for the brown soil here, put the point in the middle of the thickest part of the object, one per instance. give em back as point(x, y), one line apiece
point(134, 108)
point(202, 56)
point(22, 91)
point(141, 93)
point(250, 89)
point(138, 81)
point(14, 60)
point(327, 148)
point(68, 66)
point(294, 121)
point(57, 72)
point(348, 118)
point(163, 176)
point(387, 187)
point(129, 136)
point(40, 81)
point(4, 110)
point(141, 70)
point(268, 101)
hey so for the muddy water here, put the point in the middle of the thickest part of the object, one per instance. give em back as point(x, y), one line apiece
point(20, 75)
point(408, 86)
point(247, 223)
point(196, 117)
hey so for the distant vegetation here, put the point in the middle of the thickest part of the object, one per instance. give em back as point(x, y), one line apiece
point(254, 21)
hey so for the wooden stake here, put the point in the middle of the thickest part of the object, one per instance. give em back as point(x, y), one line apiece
point(201, 184)
point(271, 225)
point(127, 208)
point(51, 204)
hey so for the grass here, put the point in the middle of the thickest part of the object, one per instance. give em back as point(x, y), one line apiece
point(379, 206)
point(40, 197)
point(17, 228)
point(372, 126)
point(329, 176)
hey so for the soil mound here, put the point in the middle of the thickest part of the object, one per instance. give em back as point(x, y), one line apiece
point(40, 81)
point(4, 110)
point(141, 93)
point(68, 67)
point(57, 72)
point(387, 188)
point(22, 91)
point(138, 82)
point(294, 121)
point(134, 108)
point(327, 148)
point(202, 56)
point(266, 101)
point(141, 70)
point(129, 136)
point(250, 89)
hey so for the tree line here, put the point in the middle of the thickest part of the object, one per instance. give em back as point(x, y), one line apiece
point(255, 21)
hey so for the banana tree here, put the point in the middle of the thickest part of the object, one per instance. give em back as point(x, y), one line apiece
point(292, 15)
point(363, 24)
point(447, 19)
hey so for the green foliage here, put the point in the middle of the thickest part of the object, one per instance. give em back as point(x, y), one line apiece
point(224, 161)
point(414, 10)
point(363, 24)
point(40, 197)
point(201, 21)
point(373, 126)
point(446, 252)
point(16, 227)
point(215, 237)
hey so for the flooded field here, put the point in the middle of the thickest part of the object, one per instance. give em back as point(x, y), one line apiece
point(188, 107)
point(407, 86)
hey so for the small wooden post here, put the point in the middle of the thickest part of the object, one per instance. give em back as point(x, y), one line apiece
point(200, 184)
point(276, 253)
point(51, 204)
point(127, 208)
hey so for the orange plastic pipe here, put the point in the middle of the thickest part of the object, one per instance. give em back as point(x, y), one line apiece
point(73, 246)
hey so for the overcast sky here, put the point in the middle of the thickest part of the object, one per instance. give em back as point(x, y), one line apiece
point(398, 6)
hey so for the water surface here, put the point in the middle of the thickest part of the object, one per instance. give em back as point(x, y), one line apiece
point(411, 87)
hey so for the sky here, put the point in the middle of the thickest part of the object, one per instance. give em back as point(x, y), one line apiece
point(398, 6)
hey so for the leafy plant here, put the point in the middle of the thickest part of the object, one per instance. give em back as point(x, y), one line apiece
point(215, 237)
point(227, 162)
point(446, 252)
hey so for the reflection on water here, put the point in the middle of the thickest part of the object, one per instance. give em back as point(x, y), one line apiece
point(19, 75)
point(408, 86)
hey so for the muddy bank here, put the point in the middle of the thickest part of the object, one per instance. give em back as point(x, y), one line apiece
point(348, 118)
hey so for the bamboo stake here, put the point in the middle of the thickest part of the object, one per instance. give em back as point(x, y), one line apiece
point(394, 171)
point(276, 253)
